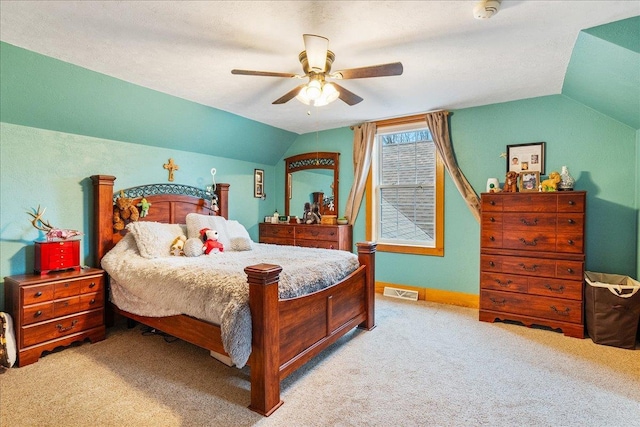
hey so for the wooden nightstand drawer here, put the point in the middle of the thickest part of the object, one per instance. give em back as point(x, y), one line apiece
point(63, 307)
point(37, 313)
point(60, 327)
point(66, 288)
point(37, 294)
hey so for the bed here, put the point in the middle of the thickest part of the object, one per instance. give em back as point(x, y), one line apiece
point(285, 332)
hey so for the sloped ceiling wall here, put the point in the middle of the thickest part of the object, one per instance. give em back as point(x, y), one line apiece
point(604, 70)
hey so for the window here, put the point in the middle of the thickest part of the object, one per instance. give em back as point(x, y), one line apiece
point(405, 202)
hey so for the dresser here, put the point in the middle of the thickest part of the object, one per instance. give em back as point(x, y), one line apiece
point(532, 259)
point(55, 310)
point(308, 235)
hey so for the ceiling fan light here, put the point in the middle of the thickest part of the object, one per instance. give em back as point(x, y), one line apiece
point(316, 48)
point(330, 93)
point(313, 90)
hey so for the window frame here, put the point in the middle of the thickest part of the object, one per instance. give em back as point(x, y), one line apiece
point(371, 190)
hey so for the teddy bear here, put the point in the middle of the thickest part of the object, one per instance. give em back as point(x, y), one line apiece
point(210, 240)
point(177, 247)
point(551, 184)
point(124, 211)
point(511, 182)
point(310, 216)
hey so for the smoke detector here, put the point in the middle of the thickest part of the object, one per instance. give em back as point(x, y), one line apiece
point(485, 9)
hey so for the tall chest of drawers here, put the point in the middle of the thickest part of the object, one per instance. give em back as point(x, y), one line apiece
point(55, 310)
point(532, 259)
point(308, 235)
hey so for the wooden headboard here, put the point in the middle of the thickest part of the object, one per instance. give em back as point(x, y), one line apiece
point(170, 203)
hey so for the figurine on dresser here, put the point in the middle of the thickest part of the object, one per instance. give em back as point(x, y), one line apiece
point(311, 214)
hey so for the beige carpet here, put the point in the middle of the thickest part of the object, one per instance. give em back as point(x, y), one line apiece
point(425, 364)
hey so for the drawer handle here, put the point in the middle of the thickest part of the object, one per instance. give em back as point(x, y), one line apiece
point(314, 233)
point(492, 264)
point(493, 239)
point(68, 328)
point(571, 203)
point(504, 284)
point(492, 219)
point(66, 303)
point(570, 221)
point(534, 242)
point(559, 290)
point(564, 312)
point(570, 242)
point(570, 270)
point(532, 268)
point(331, 247)
point(529, 224)
point(92, 285)
point(498, 302)
point(38, 313)
point(332, 233)
point(66, 285)
point(93, 301)
point(38, 294)
point(492, 203)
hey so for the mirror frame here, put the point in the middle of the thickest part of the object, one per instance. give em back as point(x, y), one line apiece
point(315, 160)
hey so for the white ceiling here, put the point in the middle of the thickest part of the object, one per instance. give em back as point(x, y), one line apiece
point(188, 49)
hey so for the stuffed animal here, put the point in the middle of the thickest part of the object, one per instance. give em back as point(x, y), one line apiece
point(511, 182)
point(123, 212)
point(210, 240)
point(310, 217)
point(144, 207)
point(177, 247)
point(193, 247)
point(551, 184)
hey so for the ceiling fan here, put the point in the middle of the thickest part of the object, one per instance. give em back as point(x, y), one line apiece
point(316, 62)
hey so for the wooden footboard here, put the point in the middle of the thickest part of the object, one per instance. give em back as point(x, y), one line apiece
point(285, 333)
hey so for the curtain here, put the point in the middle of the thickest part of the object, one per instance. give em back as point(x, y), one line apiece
point(363, 140)
point(439, 127)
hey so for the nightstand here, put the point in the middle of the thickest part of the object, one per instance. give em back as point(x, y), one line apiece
point(55, 310)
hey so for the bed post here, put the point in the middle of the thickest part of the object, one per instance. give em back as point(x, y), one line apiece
point(102, 214)
point(265, 350)
point(367, 257)
point(223, 199)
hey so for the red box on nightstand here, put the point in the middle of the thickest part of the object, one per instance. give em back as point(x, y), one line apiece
point(57, 255)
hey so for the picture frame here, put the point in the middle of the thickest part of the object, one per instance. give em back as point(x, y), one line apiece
point(526, 157)
point(258, 183)
point(529, 181)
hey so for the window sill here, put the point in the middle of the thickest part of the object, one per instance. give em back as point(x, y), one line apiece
point(406, 249)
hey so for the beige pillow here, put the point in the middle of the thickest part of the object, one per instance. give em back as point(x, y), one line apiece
point(238, 236)
point(154, 239)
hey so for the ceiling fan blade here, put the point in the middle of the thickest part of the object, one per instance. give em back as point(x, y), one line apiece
point(289, 95)
point(262, 73)
point(347, 96)
point(316, 48)
point(383, 70)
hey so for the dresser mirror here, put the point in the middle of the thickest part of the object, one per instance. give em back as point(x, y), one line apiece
point(313, 178)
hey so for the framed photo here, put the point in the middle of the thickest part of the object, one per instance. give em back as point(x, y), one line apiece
point(529, 181)
point(258, 183)
point(526, 157)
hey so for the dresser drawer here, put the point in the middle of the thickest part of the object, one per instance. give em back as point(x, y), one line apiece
point(531, 202)
point(91, 301)
point(323, 244)
point(570, 223)
point(570, 243)
point(319, 233)
point(571, 202)
point(36, 294)
point(276, 240)
point(531, 221)
point(491, 238)
point(57, 328)
point(504, 282)
point(572, 270)
point(66, 289)
point(491, 203)
point(282, 231)
point(530, 305)
point(37, 313)
point(556, 287)
point(63, 307)
point(94, 284)
point(520, 265)
point(529, 241)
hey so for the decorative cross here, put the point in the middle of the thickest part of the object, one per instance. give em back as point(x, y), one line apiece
point(171, 167)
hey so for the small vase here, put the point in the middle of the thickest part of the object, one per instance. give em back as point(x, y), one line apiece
point(566, 180)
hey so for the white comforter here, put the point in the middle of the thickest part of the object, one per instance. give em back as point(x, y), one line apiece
point(214, 287)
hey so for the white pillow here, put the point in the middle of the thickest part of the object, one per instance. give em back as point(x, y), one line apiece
point(154, 239)
point(196, 222)
point(7, 341)
point(238, 236)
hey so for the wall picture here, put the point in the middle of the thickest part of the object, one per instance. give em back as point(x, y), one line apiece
point(526, 157)
point(258, 183)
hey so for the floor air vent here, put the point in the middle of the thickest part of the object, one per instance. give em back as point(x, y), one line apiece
point(401, 293)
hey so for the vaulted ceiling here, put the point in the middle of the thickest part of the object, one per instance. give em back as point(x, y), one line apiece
point(187, 49)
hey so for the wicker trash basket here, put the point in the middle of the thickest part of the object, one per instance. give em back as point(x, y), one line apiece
point(612, 309)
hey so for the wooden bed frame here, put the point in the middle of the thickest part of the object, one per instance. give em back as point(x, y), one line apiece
point(285, 333)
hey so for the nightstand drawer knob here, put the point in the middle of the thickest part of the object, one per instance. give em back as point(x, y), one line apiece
point(38, 294)
point(92, 285)
point(93, 301)
point(37, 313)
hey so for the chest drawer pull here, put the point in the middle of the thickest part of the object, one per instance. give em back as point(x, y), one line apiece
point(492, 219)
point(504, 284)
point(527, 223)
point(92, 285)
point(493, 239)
point(315, 233)
point(534, 242)
point(492, 203)
point(496, 301)
point(93, 301)
point(37, 313)
point(570, 242)
point(570, 221)
point(570, 270)
point(492, 264)
point(564, 312)
point(571, 203)
point(559, 289)
point(532, 268)
point(38, 294)
point(63, 329)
